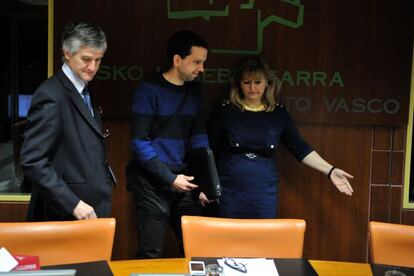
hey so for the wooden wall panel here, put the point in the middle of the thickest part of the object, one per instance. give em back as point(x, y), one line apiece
point(387, 174)
point(395, 205)
point(408, 217)
point(344, 71)
point(380, 201)
point(336, 224)
point(397, 168)
point(399, 138)
point(382, 138)
point(13, 211)
point(380, 167)
point(123, 208)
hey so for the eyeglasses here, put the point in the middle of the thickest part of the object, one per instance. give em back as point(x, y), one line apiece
point(235, 265)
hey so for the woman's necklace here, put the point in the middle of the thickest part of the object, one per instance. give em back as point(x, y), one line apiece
point(258, 108)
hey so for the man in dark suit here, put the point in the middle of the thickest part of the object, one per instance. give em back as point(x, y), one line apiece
point(63, 153)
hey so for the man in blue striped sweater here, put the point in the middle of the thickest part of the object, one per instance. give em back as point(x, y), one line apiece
point(166, 123)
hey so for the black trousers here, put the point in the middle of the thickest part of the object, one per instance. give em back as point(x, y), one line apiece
point(157, 207)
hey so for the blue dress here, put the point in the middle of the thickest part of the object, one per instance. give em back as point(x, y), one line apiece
point(244, 144)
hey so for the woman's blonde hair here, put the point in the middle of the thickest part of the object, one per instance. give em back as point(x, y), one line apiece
point(253, 66)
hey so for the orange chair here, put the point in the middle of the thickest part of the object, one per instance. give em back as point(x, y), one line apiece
point(60, 242)
point(223, 237)
point(392, 244)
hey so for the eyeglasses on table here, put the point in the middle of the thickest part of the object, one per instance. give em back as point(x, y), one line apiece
point(235, 265)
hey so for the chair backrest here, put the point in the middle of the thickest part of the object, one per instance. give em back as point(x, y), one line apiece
point(223, 237)
point(60, 242)
point(392, 244)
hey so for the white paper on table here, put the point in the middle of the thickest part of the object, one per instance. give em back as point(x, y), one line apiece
point(254, 266)
point(7, 261)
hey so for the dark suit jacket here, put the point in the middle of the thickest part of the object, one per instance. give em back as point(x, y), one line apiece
point(63, 153)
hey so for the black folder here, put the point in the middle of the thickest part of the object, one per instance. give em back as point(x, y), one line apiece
point(201, 165)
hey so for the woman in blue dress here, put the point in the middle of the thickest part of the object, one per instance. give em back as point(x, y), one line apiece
point(244, 134)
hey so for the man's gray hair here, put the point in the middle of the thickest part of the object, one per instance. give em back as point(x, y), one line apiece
point(81, 33)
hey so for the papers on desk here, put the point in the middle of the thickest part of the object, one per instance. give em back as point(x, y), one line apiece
point(7, 262)
point(260, 266)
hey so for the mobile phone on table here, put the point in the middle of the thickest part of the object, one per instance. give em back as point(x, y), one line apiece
point(197, 268)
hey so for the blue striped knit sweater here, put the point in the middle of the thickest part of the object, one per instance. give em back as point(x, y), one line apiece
point(154, 102)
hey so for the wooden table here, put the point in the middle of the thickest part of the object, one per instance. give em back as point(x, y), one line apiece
point(340, 268)
point(125, 268)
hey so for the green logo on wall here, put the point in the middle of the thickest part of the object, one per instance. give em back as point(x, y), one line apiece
point(262, 23)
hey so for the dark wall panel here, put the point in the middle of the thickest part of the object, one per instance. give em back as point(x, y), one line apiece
point(380, 203)
point(122, 204)
point(408, 217)
point(336, 60)
point(336, 224)
point(380, 165)
point(396, 205)
point(13, 211)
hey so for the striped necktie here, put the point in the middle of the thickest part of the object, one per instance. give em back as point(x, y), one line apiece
point(87, 98)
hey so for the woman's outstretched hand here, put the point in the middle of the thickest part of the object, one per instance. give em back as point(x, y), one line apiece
point(340, 179)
